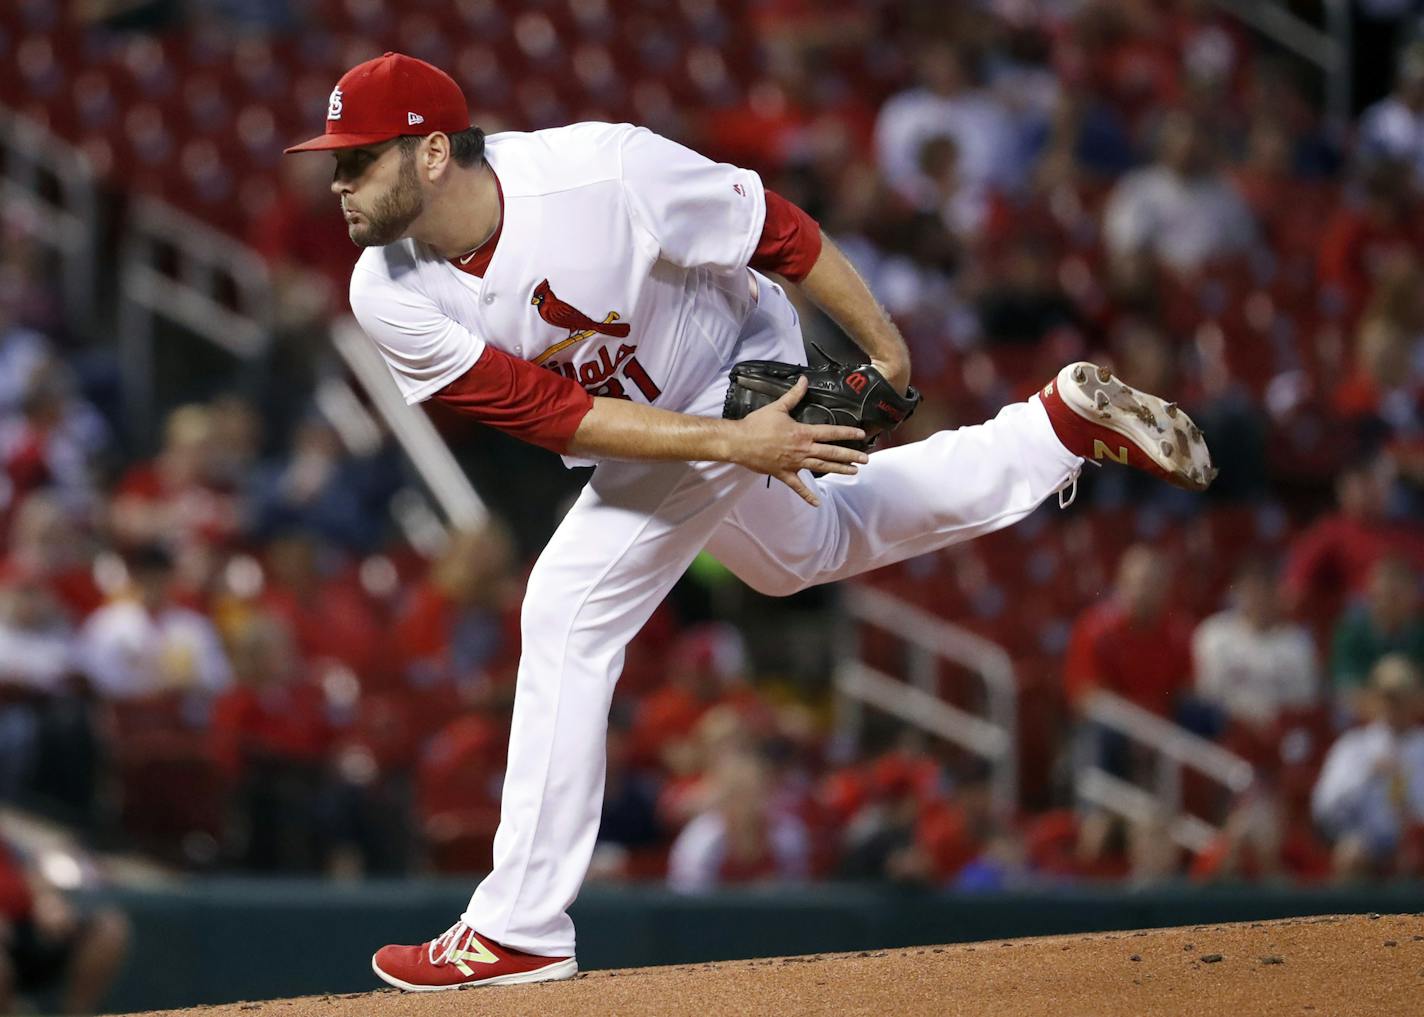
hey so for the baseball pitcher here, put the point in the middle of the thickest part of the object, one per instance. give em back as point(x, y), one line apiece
point(604, 293)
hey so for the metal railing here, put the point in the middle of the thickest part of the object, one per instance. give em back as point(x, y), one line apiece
point(52, 182)
point(928, 641)
point(1175, 750)
point(417, 436)
point(176, 269)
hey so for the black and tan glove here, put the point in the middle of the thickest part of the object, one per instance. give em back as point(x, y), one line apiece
point(853, 396)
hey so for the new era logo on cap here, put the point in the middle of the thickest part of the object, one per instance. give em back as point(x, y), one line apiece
point(373, 102)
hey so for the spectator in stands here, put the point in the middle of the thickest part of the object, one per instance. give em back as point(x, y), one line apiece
point(1335, 556)
point(1371, 789)
point(29, 284)
point(1252, 663)
point(177, 499)
point(962, 210)
point(1290, 209)
point(36, 662)
point(1182, 212)
point(1393, 127)
point(53, 442)
point(23, 351)
point(46, 543)
point(962, 839)
point(1262, 841)
point(1023, 301)
point(879, 840)
point(1133, 644)
point(1087, 141)
point(738, 836)
point(237, 432)
point(321, 488)
point(1387, 621)
point(305, 245)
point(947, 102)
point(707, 668)
point(49, 944)
point(456, 637)
point(629, 834)
point(145, 644)
point(1377, 222)
point(271, 734)
point(1383, 396)
point(1001, 865)
point(323, 604)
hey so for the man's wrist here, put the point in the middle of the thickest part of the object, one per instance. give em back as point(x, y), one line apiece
point(896, 371)
point(725, 441)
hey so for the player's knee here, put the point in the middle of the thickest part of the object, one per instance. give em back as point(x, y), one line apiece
point(779, 584)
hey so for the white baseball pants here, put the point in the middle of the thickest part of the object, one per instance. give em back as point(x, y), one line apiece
point(630, 536)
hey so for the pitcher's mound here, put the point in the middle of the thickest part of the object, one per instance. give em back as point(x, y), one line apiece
point(1304, 967)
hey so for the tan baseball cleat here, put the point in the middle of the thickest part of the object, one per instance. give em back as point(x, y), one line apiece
point(1098, 417)
point(462, 958)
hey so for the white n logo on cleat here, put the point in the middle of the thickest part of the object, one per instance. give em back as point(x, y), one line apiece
point(480, 955)
point(1101, 450)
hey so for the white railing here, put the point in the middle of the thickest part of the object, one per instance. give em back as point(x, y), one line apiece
point(55, 186)
point(175, 269)
point(417, 436)
point(913, 699)
point(1175, 750)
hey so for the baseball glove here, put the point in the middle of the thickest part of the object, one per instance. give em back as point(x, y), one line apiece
point(836, 394)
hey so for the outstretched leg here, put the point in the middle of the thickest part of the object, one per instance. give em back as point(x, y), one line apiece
point(957, 485)
point(952, 486)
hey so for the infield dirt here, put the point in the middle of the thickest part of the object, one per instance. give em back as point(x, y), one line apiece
point(1330, 966)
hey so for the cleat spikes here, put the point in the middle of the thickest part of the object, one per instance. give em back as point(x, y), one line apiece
point(1099, 417)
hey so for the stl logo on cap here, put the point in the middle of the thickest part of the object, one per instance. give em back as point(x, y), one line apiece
point(385, 93)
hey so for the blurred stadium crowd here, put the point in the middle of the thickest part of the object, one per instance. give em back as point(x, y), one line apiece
point(220, 652)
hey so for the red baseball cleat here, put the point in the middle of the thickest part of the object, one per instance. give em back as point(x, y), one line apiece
point(461, 958)
point(1097, 417)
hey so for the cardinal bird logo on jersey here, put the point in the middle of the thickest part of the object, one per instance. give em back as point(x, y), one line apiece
point(562, 314)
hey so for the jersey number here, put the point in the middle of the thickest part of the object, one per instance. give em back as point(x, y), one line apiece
point(632, 371)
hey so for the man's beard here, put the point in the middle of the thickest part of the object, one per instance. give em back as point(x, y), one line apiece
point(394, 211)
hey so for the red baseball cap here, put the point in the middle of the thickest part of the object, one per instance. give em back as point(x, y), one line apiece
point(387, 97)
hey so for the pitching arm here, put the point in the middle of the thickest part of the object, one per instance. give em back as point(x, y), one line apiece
point(836, 287)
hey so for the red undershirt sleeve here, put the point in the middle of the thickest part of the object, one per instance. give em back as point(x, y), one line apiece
point(790, 240)
point(515, 396)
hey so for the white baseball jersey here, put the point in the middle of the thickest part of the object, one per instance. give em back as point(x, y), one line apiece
point(621, 263)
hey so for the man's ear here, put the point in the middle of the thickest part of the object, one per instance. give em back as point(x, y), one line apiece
point(437, 155)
